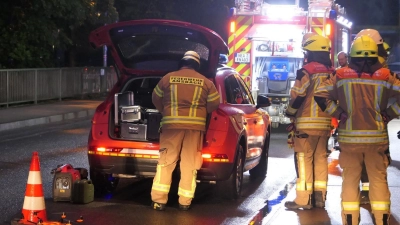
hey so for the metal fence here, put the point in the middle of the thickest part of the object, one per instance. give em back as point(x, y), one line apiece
point(33, 85)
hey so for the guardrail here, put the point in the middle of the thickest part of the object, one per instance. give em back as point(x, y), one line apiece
point(33, 85)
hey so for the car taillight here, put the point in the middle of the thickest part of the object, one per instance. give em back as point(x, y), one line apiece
point(104, 149)
point(215, 157)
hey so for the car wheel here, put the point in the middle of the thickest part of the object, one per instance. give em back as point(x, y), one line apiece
point(260, 171)
point(232, 187)
point(103, 182)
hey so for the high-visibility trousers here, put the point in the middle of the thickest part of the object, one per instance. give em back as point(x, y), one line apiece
point(178, 144)
point(312, 167)
point(376, 163)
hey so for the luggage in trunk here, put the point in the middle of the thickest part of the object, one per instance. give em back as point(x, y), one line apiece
point(153, 124)
point(83, 191)
point(133, 131)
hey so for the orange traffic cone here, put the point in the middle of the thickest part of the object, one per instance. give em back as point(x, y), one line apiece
point(34, 210)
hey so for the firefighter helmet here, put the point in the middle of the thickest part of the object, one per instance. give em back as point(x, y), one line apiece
point(191, 55)
point(317, 43)
point(364, 46)
point(307, 36)
point(374, 34)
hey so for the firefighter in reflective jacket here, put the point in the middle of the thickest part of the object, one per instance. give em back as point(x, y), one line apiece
point(362, 91)
point(184, 98)
point(313, 126)
point(383, 51)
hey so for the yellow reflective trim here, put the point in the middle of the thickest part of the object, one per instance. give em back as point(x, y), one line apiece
point(320, 184)
point(195, 101)
point(301, 185)
point(351, 206)
point(212, 97)
point(183, 118)
point(302, 89)
point(396, 108)
point(380, 205)
point(185, 193)
point(363, 132)
point(366, 140)
point(161, 187)
point(174, 99)
point(186, 80)
point(309, 186)
point(158, 91)
point(313, 119)
point(313, 126)
point(331, 108)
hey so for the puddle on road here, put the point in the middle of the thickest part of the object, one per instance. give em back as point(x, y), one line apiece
point(273, 203)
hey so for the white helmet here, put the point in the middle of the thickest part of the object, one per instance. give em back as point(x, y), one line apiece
point(374, 34)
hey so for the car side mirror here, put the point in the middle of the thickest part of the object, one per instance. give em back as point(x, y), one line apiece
point(263, 101)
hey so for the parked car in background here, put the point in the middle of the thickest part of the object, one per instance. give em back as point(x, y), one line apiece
point(123, 141)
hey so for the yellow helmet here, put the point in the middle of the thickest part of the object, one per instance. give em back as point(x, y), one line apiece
point(307, 36)
point(374, 34)
point(364, 46)
point(317, 43)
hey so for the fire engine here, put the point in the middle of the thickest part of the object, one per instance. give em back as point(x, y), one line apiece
point(265, 44)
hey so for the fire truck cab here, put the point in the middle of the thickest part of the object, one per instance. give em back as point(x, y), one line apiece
point(265, 44)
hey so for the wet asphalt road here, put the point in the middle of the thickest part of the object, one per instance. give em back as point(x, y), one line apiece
point(66, 143)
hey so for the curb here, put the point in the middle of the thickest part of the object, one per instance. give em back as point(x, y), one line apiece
point(47, 119)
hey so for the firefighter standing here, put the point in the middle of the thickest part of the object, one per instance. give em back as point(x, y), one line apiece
point(184, 98)
point(383, 51)
point(313, 126)
point(362, 91)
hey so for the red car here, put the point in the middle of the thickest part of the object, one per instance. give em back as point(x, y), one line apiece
point(123, 141)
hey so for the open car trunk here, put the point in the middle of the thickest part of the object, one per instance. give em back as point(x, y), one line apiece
point(133, 115)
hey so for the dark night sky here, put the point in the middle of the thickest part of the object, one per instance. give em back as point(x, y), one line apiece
point(363, 12)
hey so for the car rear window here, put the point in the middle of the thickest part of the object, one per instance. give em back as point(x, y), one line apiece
point(157, 47)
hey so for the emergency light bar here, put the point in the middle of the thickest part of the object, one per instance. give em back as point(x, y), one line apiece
point(344, 22)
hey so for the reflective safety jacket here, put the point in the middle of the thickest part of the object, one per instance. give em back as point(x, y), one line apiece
point(364, 98)
point(308, 116)
point(184, 98)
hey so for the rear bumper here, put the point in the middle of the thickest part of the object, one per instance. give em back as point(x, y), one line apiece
point(210, 171)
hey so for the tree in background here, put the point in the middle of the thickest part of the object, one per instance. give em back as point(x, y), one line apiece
point(33, 32)
point(49, 33)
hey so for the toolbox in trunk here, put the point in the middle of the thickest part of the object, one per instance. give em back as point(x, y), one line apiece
point(153, 124)
point(83, 191)
point(120, 100)
point(132, 114)
point(133, 131)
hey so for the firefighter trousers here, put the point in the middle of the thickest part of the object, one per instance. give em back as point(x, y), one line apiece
point(183, 145)
point(312, 167)
point(376, 163)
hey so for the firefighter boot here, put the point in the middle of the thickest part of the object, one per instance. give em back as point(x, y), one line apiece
point(350, 219)
point(294, 205)
point(319, 199)
point(364, 197)
point(158, 206)
point(382, 219)
point(184, 207)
